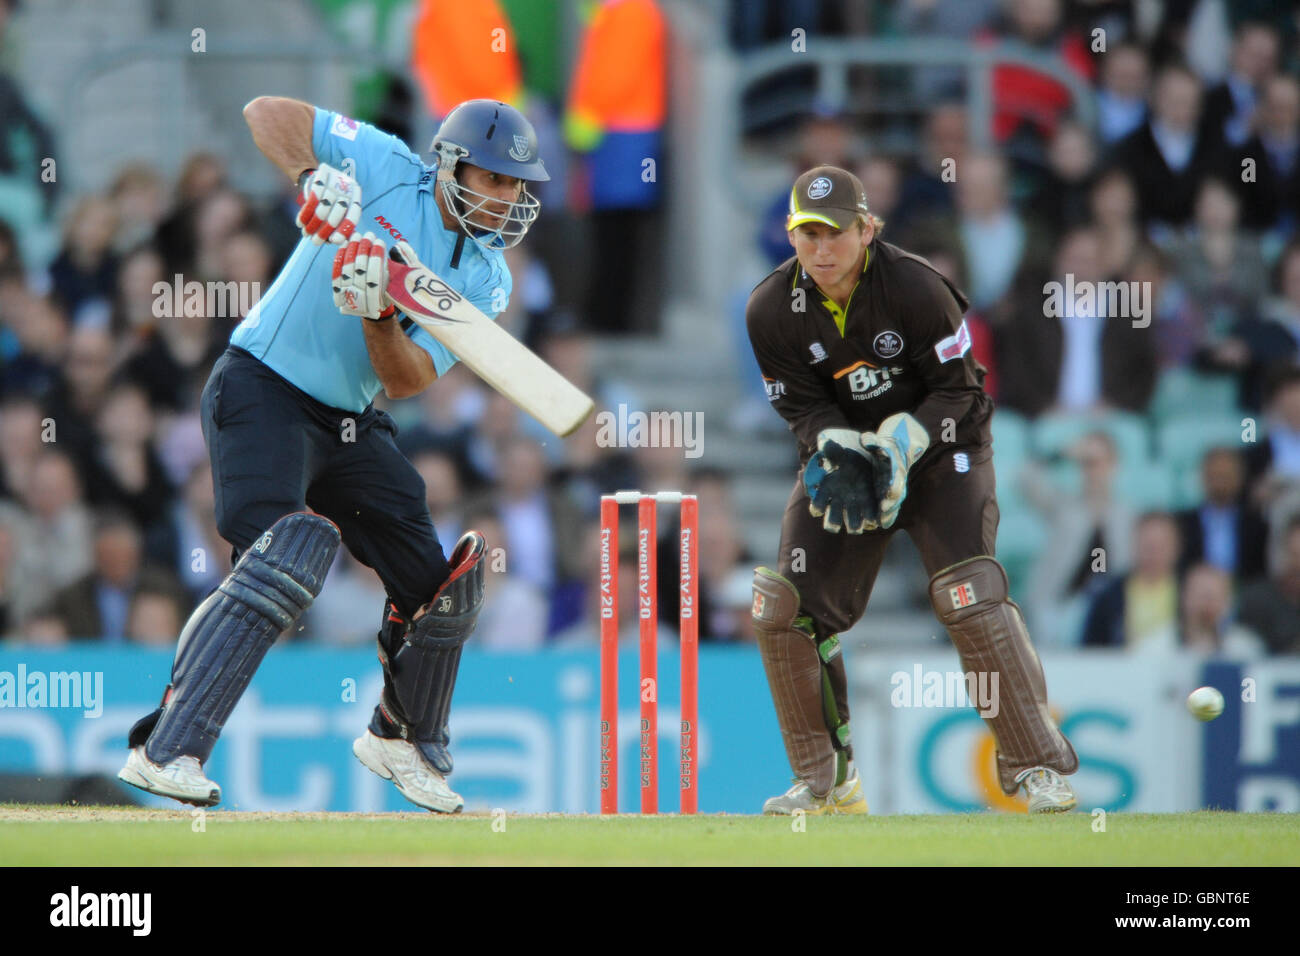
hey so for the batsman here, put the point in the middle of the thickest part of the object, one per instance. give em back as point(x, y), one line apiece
point(865, 354)
point(301, 458)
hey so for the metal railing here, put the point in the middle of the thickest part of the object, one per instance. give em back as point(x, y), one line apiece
point(720, 182)
point(831, 61)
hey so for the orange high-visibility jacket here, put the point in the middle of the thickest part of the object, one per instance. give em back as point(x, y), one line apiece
point(619, 84)
point(465, 51)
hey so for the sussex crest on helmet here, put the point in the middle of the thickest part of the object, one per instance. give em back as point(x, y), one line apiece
point(520, 151)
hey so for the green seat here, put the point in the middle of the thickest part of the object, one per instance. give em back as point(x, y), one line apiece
point(1180, 392)
point(1188, 491)
point(1022, 536)
point(1182, 442)
point(1066, 478)
point(1147, 485)
point(1053, 434)
point(1059, 626)
point(1010, 437)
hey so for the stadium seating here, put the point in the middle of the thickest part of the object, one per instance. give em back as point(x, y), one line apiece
point(1183, 441)
point(1010, 438)
point(1053, 434)
point(1182, 392)
point(1022, 535)
point(1147, 484)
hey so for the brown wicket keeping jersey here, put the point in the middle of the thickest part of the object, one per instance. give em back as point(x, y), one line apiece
point(901, 345)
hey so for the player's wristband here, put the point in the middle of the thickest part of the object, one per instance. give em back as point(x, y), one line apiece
point(303, 176)
point(387, 314)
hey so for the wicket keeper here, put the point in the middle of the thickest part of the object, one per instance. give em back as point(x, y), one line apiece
point(866, 355)
point(301, 458)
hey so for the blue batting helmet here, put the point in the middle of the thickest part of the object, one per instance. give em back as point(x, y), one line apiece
point(494, 136)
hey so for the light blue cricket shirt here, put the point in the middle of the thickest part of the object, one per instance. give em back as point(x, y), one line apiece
point(295, 328)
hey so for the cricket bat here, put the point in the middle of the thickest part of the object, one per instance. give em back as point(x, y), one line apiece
point(490, 351)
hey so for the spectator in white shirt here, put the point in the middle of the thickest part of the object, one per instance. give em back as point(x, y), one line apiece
point(1122, 98)
point(992, 232)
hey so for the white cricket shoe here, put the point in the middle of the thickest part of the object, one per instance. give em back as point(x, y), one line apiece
point(1047, 790)
point(846, 798)
point(798, 797)
point(400, 762)
point(181, 779)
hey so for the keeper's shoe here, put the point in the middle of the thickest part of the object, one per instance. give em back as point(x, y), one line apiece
point(846, 798)
point(181, 779)
point(399, 761)
point(1047, 790)
point(798, 797)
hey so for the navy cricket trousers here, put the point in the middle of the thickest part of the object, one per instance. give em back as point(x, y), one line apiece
point(275, 449)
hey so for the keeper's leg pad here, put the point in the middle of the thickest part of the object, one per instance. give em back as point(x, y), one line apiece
point(801, 692)
point(420, 670)
point(227, 636)
point(971, 600)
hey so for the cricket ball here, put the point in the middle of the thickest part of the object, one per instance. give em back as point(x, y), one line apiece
point(1205, 703)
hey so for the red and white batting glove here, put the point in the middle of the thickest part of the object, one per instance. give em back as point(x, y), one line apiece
point(360, 279)
point(331, 206)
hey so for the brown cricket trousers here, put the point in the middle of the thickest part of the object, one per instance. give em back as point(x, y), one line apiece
point(950, 515)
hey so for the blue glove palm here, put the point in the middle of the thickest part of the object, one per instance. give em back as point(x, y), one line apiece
point(845, 482)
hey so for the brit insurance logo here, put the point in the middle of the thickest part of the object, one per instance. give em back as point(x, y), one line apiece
point(888, 344)
point(819, 188)
point(775, 388)
point(866, 381)
point(520, 152)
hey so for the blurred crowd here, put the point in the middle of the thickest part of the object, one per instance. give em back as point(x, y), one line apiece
point(1186, 181)
point(106, 496)
point(1151, 446)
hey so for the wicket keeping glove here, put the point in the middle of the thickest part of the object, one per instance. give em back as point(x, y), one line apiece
point(897, 445)
point(331, 206)
point(843, 482)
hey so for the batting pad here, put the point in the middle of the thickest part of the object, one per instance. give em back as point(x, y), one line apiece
point(420, 672)
point(227, 636)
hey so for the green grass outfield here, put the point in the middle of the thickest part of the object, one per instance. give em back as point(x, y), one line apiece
point(79, 836)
